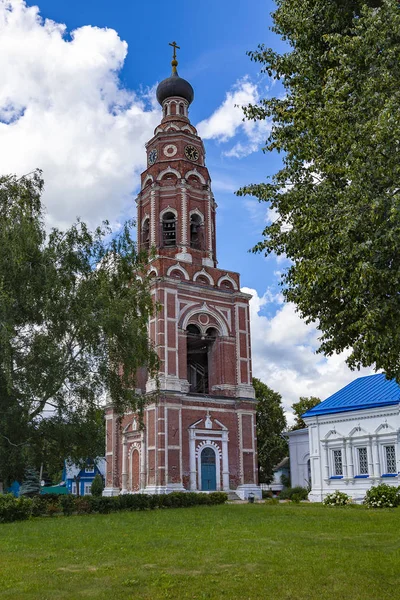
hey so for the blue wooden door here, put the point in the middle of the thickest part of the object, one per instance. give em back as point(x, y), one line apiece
point(208, 470)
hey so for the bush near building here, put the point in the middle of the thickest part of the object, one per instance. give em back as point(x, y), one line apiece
point(18, 509)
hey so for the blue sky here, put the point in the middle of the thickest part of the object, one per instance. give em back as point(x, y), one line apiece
point(214, 37)
point(78, 100)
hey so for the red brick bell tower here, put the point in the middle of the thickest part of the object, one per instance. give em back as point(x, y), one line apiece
point(200, 435)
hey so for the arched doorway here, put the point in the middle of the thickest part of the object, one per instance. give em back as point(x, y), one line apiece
point(208, 470)
point(135, 470)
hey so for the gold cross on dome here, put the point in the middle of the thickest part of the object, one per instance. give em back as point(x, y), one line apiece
point(175, 46)
point(174, 62)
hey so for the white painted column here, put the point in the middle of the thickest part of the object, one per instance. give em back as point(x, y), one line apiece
point(184, 223)
point(210, 247)
point(153, 218)
point(350, 462)
point(192, 452)
point(143, 463)
point(378, 471)
point(225, 462)
point(124, 466)
point(370, 452)
point(326, 458)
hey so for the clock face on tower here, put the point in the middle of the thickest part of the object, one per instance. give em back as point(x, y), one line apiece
point(170, 150)
point(191, 153)
point(152, 156)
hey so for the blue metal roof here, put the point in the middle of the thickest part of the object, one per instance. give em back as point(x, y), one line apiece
point(365, 392)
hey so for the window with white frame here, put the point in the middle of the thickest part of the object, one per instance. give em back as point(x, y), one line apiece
point(88, 489)
point(89, 469)
point(362, 461)
point(390, 459)
point(337, 462)
point(73, 489)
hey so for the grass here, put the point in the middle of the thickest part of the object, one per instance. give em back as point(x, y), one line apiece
point(246, 552)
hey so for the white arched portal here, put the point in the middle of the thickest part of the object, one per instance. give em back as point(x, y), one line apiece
point(215, 448)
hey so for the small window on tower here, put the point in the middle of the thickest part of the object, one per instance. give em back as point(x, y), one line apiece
point(181, 109)
point(146, 234)
point(196, 232)
point(169, 229)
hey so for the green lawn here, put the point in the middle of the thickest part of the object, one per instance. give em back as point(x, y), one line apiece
point(227, 552)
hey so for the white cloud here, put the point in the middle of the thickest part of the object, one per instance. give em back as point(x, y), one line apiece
point(227, 121)
point(284, 357)
point(62, 109)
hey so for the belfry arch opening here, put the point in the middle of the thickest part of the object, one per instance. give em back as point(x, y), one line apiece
point(199, 358)
point(169, 229)
point(146, 234)
point(196, 232)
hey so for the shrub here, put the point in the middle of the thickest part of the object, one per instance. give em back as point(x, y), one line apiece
point(83, 505)
point(38, 506)
point(337, 499)
point(267, 494)
point(14, 509)
point(218, 497)
point(53, 507)
point(299, 492)
point(382, 496)
point(67, 504)
point(270, 501)
point(97, 485)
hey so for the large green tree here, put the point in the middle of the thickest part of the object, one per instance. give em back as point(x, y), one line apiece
point(73, 329)
point(299, 408)
point(337, 195)
point(271, 422)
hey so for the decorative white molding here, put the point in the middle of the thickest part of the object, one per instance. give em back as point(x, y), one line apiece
point(196, 174)
point(166, 210)
point(205, 309)
point(168, 171)
point(153, 270)
point(146, 179)
point(177, 267)
point(205, 274)
point(207, 262)
point(146, 216)
point(196, 211)
point(226, 277)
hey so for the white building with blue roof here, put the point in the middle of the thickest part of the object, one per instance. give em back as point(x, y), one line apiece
point(353, 438)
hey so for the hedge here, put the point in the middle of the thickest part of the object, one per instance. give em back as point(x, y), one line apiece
point(18, 509)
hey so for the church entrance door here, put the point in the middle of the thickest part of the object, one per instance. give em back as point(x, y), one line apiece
point(208, 470)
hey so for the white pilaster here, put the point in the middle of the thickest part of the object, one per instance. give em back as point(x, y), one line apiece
point(192, 450)
point(225, 462)
point(124, 466)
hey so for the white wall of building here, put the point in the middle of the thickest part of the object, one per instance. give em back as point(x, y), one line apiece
point(352, 451)
point(299, 457)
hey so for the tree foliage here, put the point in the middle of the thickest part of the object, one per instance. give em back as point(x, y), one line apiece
point(97, 485)
point(31, 484)
point(73, 328)
point(271, 422)
point(302, 406)
point(337, 195)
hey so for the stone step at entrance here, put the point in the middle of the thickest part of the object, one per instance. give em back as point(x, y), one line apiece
point(232, 496)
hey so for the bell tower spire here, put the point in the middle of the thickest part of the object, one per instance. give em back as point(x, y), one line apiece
point(200, 434)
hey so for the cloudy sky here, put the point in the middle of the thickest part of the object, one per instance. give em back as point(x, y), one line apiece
point(77, 99)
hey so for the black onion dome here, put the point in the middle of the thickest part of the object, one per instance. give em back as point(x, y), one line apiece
point(174, 86)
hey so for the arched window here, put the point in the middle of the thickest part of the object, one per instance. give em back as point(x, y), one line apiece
point(199, 348)
point(146, 234)
point(165, 110)
point(196, 232)
point(169, 229)
point(175, 274)
point(181, 109)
